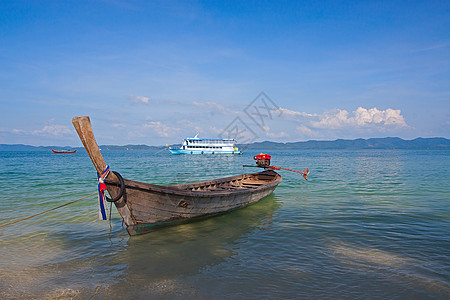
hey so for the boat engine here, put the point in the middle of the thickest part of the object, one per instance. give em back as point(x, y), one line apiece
point(262, 160)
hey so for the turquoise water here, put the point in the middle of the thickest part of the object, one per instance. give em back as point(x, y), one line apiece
point(367, 224)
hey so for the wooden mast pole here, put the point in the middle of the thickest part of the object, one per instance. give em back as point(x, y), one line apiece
point(84, 129)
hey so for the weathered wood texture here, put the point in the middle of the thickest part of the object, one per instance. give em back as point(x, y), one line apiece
point(155, 204)
point(84, 129)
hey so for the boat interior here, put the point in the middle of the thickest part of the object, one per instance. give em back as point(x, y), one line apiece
point(244, 181)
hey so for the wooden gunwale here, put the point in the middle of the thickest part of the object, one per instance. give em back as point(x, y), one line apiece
point(182, 189)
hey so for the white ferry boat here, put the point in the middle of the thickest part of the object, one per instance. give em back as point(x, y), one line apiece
point(197, 145)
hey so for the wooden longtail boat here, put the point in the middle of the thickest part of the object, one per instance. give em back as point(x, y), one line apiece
point(63, 151)
point(144, 206)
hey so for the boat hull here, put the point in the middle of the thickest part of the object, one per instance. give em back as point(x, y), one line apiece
point(144, 205)
point(155, 206)
point(64, 151)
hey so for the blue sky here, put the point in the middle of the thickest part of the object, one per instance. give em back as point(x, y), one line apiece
point(155, 72)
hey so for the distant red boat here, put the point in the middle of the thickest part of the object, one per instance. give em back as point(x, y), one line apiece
point(64, 151)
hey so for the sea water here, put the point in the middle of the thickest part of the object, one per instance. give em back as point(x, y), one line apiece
point(366, 224)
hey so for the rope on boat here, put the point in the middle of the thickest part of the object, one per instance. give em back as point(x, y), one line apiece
point(102, 198)
point(101, 193)
point(122, 188)
point(102, 177)
point(29, 217)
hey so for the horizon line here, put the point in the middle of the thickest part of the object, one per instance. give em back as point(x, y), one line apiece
point(255, 142)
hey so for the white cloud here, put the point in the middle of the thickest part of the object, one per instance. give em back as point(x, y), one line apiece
point(432, 47)
point(333, 120)
point(361, 117)
point(280, 134)
point(191, 128)
point(160, 128)
point(272, 134)
point(18, 131)
point(118, 125)
point(213, 106)
point(139, 99)
point(394, 117)
point(216, 130)
point(339, 118)
point(304, 130)
point(52, 130)
point(292, 113)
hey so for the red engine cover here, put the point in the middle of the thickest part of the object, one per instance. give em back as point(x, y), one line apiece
point(263, 156)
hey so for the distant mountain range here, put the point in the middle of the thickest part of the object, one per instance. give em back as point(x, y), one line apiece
point(374, 143)
point(21, 147)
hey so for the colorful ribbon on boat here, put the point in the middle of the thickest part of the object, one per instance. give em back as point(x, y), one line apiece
point(105, 174)
point(101, 194)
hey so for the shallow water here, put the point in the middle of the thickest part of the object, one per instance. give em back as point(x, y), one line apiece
point(367, 224)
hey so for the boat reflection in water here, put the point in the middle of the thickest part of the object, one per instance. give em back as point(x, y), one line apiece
point(161, 263)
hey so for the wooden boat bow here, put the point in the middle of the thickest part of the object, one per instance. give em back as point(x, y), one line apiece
point(84, 129)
